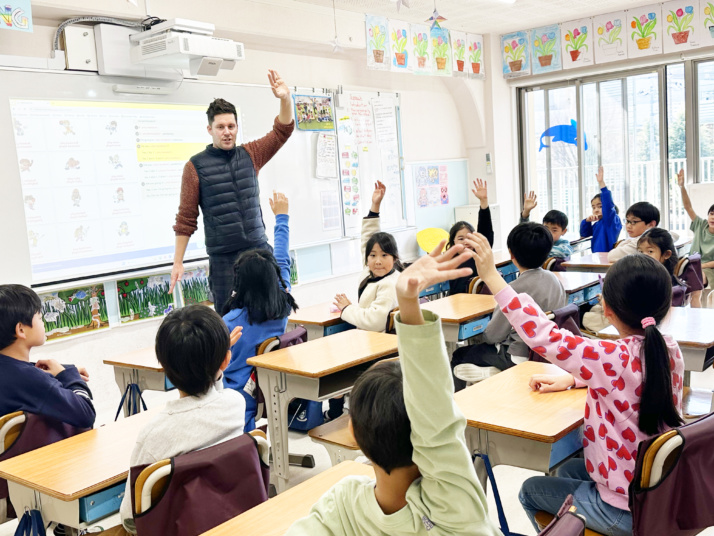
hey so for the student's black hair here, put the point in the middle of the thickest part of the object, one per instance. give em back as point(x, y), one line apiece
point(645, 211)
point(259, 288)
point(638, 287)
point(389, 245)
point(663, 240)
point(18, 305)
point(379, 417)
point(556, 217)
point(530, 244)
point(711, 209)
point(218, 107)
point(599, 196)
point(456, 228)
point(191, 344)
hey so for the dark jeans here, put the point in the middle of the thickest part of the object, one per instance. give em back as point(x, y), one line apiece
point(482, 355)
point(220, 275)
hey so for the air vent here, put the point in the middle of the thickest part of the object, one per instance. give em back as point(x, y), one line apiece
point(159, 46)
point(240, 51)
point(185, 44)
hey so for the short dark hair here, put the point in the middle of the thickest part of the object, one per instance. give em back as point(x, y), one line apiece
point(191, 345)
point(599, 196)
point(645, 211)
point(455, 229)
point(218, 107)
point(259, 288)
point(18, 305)
point(530, 243)
point(379, 417)
point(711, 209)
point(557, 218)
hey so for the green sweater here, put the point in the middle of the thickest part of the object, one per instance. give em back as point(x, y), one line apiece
point(448, 498)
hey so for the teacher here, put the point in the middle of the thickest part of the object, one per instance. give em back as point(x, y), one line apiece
point(223, 181)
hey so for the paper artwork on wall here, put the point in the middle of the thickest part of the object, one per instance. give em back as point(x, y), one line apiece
point(577, 43)
point(459, 47)
point(421, 49)
point(610, 33)
point(74, 311)
point(399, 39)
point(680, 19)
point(706, 26)
point(545, 47)
point(144, 297)
point(378, 56)
point(432, 185)
point(314, 113)
point(516, 55)
point(475, 59)
point(441, 49)
point(644, 27)
point(194, 287)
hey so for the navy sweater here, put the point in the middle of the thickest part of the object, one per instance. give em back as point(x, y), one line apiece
point(65, 397)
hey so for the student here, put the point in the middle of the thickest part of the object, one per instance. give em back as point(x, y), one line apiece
point(261, 303)
point(529, 245)
point(193, 346)
point(376, 295)
point(461, 228)
point(603, 224)
point(703, 242)
point(44, 388)
point(405, 421)
point(623, 407)
point(658, 244)
point(555, 221)
point(639, 218)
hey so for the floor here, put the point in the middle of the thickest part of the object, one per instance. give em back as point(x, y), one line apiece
point(509, 479)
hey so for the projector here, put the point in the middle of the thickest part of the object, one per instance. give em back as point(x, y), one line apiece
point(185, 44)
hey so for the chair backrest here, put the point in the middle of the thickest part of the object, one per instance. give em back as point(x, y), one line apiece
point(554, 264)
point(477, 286)
point(10, 428)
point(671, 489)
point(567, 317)
point(192, 493)
point(690, 271)
point(679, 296)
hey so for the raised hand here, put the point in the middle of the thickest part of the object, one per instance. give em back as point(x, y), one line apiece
point(600, 177)
point(378, 195)
point(480, 190)
point(680, 178)
point(485, 265)
point(236, 334)
point(530, 201)
point(278, 203)
point(431, 269)
point(279, 87)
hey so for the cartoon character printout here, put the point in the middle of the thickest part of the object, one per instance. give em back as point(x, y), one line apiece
point(683, 31)
point(610, 34)
point(516, 55)
point(644, 25)
point(545, 46)
point(577, 43)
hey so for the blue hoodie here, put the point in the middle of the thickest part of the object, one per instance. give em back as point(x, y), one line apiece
point(606, 231)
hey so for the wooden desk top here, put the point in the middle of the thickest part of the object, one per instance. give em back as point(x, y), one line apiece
point(689, 327)
point(315, 314)
point(591, 260)
point(504, 403)
point(81, 465)
point(502, 258)
point(141, 359)
point(575, 281)
point(327, 355)
point(461, 308)
point(274, 517)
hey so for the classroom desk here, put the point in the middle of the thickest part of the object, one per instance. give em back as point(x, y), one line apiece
point(462, 316)
point(684, 243)
point(142, 368)
point(580, 287)
point(274, 517)
point(581, 245)
point(316, 370)
point(593, 262)
point(318, 320)
point(78, 480)
point(509, 424)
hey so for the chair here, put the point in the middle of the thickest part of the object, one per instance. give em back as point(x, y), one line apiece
point(567, 317)
point(543, 519)
point(337, 439)
point(390, 327)
point(554, 264)
point(689, 270)
point(679, 296)
point(477, 286)
point(22, 432)
point(192, 493)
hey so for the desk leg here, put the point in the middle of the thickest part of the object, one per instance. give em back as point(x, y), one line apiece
point(124, 377)
point(277, 395)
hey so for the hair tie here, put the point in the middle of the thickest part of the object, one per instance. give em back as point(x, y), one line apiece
point(647, 322)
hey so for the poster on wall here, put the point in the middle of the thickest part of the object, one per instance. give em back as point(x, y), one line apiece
point(326, 156)
point(609, 34)
point(644, 27)
point(577, 43)
point(74, 311)
point(681, 20)
point(194, 287)
point(16, 15)
point(475, 59)
point(145, 297)
point(441, 49)
point(421, 51)
point(399, 39)
point(431, 185)
point(378, 56)
point(706, 26)
point(516, 55)
point(546, 53)
point(458, 49)
point(314, 113)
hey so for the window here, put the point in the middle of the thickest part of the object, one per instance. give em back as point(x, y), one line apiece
point(705, 79)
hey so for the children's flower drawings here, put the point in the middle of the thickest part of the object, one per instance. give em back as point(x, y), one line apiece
point(475, 57)
point(421, 43)
point(459, 51)
point(399, 45)
point(643, 27)
point(378, 35)
point(709, 20)
point(544, 46)
point(441, 52)
point(681, 22)
point(576, 42)
point(515, 52)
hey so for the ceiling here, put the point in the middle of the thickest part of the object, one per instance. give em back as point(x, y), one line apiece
point(485, 16)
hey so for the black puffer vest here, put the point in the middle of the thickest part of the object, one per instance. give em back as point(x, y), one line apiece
point(229, 200)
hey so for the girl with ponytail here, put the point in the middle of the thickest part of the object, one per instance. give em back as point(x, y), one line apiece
point(260, 302)
point(634, 385)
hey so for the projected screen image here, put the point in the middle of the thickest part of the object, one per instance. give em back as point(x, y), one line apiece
point(101, 183)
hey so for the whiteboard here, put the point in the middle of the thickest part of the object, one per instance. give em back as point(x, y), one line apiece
point(291, 171)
